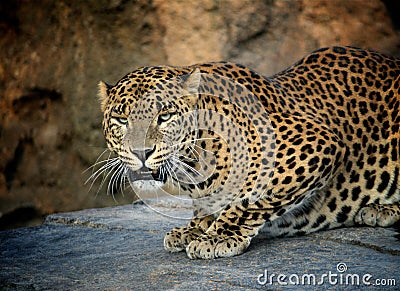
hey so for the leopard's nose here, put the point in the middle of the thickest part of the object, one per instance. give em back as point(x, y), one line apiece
point(142, 154)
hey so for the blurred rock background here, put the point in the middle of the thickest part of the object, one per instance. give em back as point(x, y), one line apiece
point(53, 54)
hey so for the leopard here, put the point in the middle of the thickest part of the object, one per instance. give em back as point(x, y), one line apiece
point(311, 148)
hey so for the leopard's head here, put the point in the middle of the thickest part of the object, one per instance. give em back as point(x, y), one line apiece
point(148, 120)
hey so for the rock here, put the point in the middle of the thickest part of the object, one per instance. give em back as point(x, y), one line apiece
point(122, 248)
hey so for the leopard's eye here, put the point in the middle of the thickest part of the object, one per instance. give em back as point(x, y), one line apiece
point(121, 120)
point(164, 117)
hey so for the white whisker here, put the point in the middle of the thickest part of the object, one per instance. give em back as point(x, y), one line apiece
point(170, 170)
point(122, 185)
point(105, 176)
point(178, 163)
point(108, 166)
point(114, 179)
point(111, 163)
point(187, 166)
point(97, 162)
point(200, 158)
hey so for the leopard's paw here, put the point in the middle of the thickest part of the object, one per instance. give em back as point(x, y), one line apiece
point(213, 246)
point(378, 215)
point(178, 238)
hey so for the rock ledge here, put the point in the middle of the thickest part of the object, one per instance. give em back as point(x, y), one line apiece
point(122, 248)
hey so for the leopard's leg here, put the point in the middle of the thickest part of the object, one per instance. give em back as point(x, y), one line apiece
point(178, 238)
point(231, 233)
point(223, 239)
point(379, 214)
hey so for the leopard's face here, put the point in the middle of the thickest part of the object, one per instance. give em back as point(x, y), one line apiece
point(148, 123)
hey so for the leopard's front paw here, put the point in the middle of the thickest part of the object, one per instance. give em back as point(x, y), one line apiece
point(178, 238)
point(378, 215)
point(213, 246)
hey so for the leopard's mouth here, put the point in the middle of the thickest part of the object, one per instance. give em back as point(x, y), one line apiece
point(145, 174)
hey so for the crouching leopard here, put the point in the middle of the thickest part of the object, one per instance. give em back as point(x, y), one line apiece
point(314, 147)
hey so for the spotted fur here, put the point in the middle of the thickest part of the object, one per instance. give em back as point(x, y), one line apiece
point(335, 116)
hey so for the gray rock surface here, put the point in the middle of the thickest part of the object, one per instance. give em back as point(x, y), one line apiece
point(121, 248)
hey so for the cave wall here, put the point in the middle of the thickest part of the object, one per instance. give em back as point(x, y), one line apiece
point(53, 54)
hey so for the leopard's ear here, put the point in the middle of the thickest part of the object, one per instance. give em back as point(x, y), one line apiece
point(192, 82)
point(104, 90)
